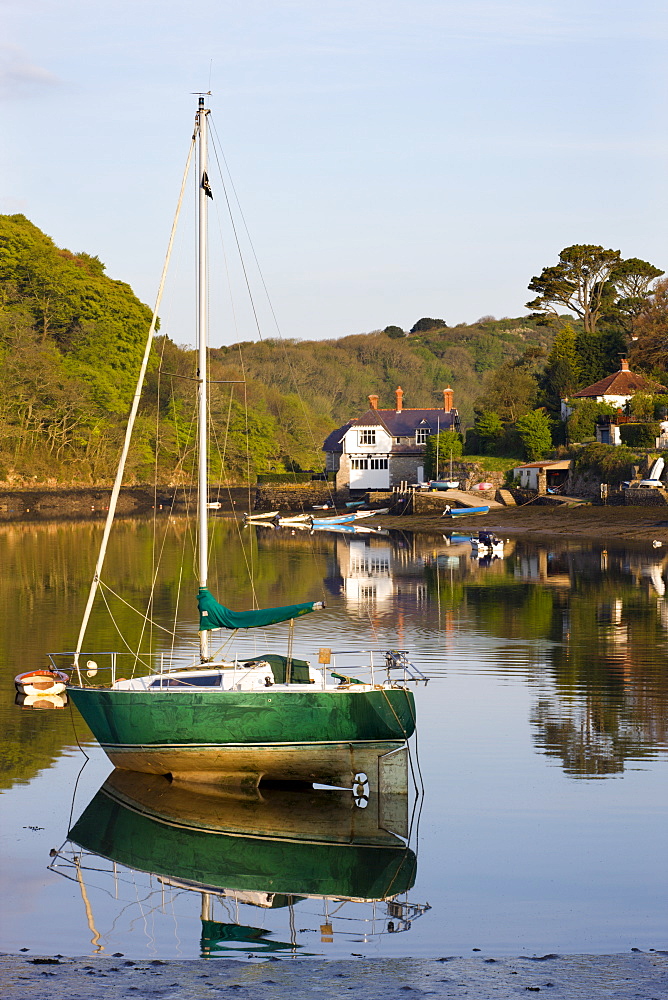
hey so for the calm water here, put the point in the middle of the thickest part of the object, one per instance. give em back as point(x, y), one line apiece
point(541, 744)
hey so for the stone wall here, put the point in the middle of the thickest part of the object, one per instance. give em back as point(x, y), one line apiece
point(297, 496)
point(641, 497)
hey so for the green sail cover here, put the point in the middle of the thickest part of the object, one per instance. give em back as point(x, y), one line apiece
point(215, 615)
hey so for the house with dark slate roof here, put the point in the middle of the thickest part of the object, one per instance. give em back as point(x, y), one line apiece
point(383, 448)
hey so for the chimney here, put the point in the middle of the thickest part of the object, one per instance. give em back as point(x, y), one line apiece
point(448, 399)
point(399, 393)
point(625, 365)
point(373, 400)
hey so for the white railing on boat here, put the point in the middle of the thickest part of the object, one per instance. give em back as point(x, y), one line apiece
point(382, 666)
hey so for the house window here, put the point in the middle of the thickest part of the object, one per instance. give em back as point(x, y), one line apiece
point(421, 435)
point(377, 463)
point(367, 437)
point(359, 463)
point(398, 440)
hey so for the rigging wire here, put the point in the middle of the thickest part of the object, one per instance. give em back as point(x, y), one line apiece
point(113, 500)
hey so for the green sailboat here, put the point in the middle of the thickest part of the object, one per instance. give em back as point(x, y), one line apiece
point(231, 721)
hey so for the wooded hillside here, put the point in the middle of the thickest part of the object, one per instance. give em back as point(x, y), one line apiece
point(71, 341)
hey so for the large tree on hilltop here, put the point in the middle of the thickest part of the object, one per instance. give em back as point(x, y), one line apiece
point(650, 350)
point(576, 283)
point(595, 284)
point(632, 280)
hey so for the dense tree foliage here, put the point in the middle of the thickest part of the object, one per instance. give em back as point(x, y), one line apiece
point(534, 432)
point(440, 449)
point(594, 283)
point(425, 324)
point(71, 340)
point(650, 350)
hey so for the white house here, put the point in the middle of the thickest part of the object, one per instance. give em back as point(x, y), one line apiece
point(383, 448)
point(616, 390)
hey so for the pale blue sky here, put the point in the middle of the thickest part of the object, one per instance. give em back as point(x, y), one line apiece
point(393, 159)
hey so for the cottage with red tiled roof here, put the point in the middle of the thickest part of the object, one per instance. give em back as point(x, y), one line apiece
point(615, 389)
point(382, 448)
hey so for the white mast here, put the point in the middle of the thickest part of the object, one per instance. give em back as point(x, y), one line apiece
point(203, 490)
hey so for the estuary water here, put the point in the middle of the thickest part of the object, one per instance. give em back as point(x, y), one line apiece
point(539, 789)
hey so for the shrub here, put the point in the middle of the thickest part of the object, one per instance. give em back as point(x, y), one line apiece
point(582, 422)
point(639, 435)
point(612, 464)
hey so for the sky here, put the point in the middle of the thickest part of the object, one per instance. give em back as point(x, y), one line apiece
point(393, 159)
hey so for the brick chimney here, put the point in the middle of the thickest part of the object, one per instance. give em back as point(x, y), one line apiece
point(448, 399)
point(625, 365)
point(399, 393)
point(373, 401)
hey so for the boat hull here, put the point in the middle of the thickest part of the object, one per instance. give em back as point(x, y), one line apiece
point(464, 511)
point(240, 737)
point(297, 844)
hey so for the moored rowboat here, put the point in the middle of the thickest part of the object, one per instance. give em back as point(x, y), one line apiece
point(41, 682)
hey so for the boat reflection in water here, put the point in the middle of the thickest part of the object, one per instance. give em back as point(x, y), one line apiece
point(273, 849)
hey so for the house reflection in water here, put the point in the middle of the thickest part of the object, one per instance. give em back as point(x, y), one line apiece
point(380, 571)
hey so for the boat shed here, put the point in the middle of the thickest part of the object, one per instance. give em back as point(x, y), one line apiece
point(542, 476)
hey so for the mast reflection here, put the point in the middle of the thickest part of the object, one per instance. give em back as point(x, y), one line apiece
point(272, 850)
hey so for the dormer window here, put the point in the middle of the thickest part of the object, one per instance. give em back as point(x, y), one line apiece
point(367, 437)
point(421, 435)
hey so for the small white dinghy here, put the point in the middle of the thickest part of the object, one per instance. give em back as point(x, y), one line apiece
point(41, 682)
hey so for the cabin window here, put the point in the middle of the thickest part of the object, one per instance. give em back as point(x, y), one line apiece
point(421, 435)
point(196, 680)
point(367, 437)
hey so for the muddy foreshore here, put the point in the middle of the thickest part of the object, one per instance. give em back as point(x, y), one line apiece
point(610, 525)
point(641, 975)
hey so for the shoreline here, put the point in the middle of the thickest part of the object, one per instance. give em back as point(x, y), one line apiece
point(607, 524)
point(643, 975)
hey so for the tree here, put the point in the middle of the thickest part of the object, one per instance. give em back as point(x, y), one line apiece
point(563, 371)
point(509, 391)
point(394, 332)
point(577, 283)
point(488, 429)
point(650, 350)
point(534, 432)
point(425, 324)
point(440, 448)
point(582, 422)
point(631, 280)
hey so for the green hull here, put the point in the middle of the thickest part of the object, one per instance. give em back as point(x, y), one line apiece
point(283, 735)
point(290, 843)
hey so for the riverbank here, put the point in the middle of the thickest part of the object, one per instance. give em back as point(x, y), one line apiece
point(604, 524)
point(614, 524)
point(641, 975)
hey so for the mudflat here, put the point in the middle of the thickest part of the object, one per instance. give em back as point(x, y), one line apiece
point(638, 975)
point(640, 525)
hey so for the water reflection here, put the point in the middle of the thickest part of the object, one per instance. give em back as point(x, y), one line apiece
point(585, 626)
point(597, 619)
point(291, 854)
